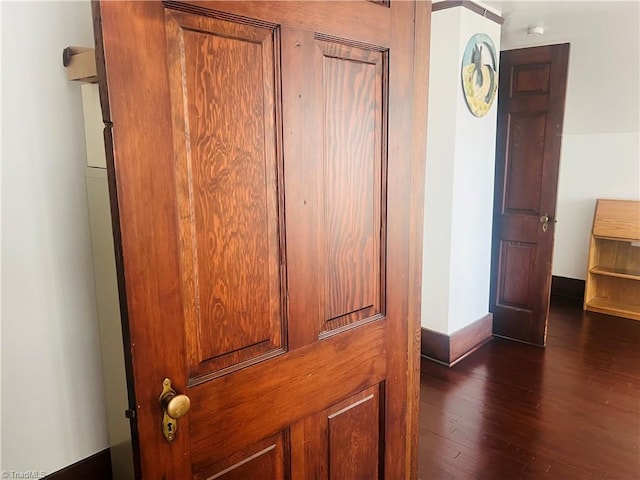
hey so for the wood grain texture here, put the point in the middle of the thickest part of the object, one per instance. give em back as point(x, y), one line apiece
point(614, 295)
point(365, 23)
point(435, 346)
point(264, 459)
point(617, 219)
point(613, 276)
point(517, 262)
point(126, 332)
point(311, 461)
point(513, 411)
point(590, 287)
point(523, 167)
point(301, 100)
point(223, 78)
point(147, 244)
point(614, 300)
point(530, 79)
point(320, 375)
point(617, 258)
point(468, 339)
point(402, 200)
point(450, 349)
point(103, 90)
point(353, 443)
point(530, 116)
point(352, 186)
point(198, 141)
point(116, 227)
point(339, 442)
point(422, 47)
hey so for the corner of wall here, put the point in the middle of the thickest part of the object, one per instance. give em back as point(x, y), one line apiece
point(459, 186)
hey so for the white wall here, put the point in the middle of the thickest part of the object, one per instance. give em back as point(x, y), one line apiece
point(444, 60)
point(0, 256)
point(600, 155)
point(53, 411)
point(473, 196)
point(459, 182)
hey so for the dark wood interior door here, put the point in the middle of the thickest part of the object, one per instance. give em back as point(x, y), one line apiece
point(263, 177)
point(530, 113)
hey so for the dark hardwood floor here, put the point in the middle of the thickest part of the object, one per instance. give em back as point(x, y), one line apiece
point(514, 411)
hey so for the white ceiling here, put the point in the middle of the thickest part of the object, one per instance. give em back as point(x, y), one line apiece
point(556, 16)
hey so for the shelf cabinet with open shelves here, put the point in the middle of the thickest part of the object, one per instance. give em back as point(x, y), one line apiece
point(613, 277)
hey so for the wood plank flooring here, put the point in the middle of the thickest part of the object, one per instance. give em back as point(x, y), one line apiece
point(513, 411)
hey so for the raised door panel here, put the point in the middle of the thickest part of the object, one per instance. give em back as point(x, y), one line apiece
point(530, 79)
point(224, 88)
point(336, 177)
point(516, 262)
point(269, 397)
point(525, 148)
point(343, 441)
point(517, 295)
point(354, 437)
point(352, 186)
point(266, 459)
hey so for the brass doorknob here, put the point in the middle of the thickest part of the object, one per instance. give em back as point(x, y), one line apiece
point(174, 406)
point(544, 220)
point(178, 406)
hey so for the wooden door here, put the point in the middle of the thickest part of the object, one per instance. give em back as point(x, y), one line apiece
point(266, 185)
point(530, 113)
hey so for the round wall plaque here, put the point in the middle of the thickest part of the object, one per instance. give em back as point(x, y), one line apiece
point(479, 74)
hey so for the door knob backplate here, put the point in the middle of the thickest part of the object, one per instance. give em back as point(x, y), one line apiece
point(174, 407)
point(544, 220)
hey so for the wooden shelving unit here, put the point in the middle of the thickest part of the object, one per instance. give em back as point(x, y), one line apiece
point(613, 278)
